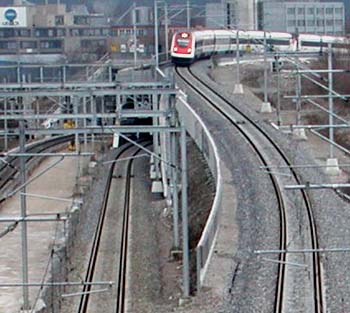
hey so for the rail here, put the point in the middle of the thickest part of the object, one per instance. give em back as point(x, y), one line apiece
point(318, 297)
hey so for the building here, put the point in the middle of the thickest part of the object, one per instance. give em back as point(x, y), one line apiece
point(346, 10)
point(215, 15)
point(51, 29)
point(304, 17)
point(241, 14)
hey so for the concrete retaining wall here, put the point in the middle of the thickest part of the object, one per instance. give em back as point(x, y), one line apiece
point(201, 136)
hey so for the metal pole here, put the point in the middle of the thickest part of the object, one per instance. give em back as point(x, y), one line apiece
point(156, 147)
point(38, 112)
point(156, 51)
point(135, 37)
point(85, 123)
point(265, 69)
point(41, 74)
point(184, 208)
point(174, 190)
point(298, 92)
point(188, 9)
point(5, 126)
point(278, 108)
point(23, 215)
point(64, 75)
point(94, 121)
point(330, 99)
point(77, 143)
point(166, 22)
point(237, 57)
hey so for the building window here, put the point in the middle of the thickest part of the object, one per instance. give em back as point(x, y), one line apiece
point(310, 11)
point(301, 23)
point(6, 33)
point(44, 32)
point(9, 45)
point(80, 20)
point(74, 32)
point(50, 44)
point(59, 20)
point(311, 23)
point(24, 32)
point(301, 10)
point(61, 32)
point(329, 22)
point(329, 10)
point(98, 32)
point(12, 45)
point(338, 22)
point(320, 22)
point(320, 10)
point(140, 32)
point(137, 17)
point(291, 11)
point(291, 23)
point(93, 43)
point(28, 44)
point(338, 10)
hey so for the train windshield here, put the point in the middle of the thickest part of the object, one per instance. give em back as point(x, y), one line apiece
point(183, 40)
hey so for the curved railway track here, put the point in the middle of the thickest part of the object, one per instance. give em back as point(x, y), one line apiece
point(119, 306)
point(9, 168)
point(317, 279)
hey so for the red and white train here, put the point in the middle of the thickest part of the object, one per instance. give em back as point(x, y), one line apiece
point(188, 46)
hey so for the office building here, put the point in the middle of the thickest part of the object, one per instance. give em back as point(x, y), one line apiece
point(304, 17)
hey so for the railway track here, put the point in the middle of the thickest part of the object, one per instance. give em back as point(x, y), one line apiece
point(86, 303)
point(208, 93)
point(9, 166)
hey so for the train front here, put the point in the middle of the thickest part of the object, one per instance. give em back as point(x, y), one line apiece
point(182, 48)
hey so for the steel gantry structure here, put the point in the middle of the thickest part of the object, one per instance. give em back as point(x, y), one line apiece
point(98, 102)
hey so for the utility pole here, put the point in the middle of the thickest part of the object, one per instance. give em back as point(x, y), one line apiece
point(238, 86)
point(332, 162)
point(5, 126)
point(266, 106)
point(298, 132)
point(156, 48)
point(265, 68)
point(23, 215)
point(166, 25)
point(184, 207)
point(278, 107)
point(237, 57)
point(188, 9)
point(330, 100)
point(134, 30)
point(298, 93)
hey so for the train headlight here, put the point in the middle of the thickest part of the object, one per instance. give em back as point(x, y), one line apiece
point(175, 49)
point(189, 50)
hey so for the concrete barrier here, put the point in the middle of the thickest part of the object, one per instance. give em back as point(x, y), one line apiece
point(205, 142)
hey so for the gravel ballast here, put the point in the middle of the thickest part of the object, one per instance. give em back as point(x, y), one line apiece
point(331, 213)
